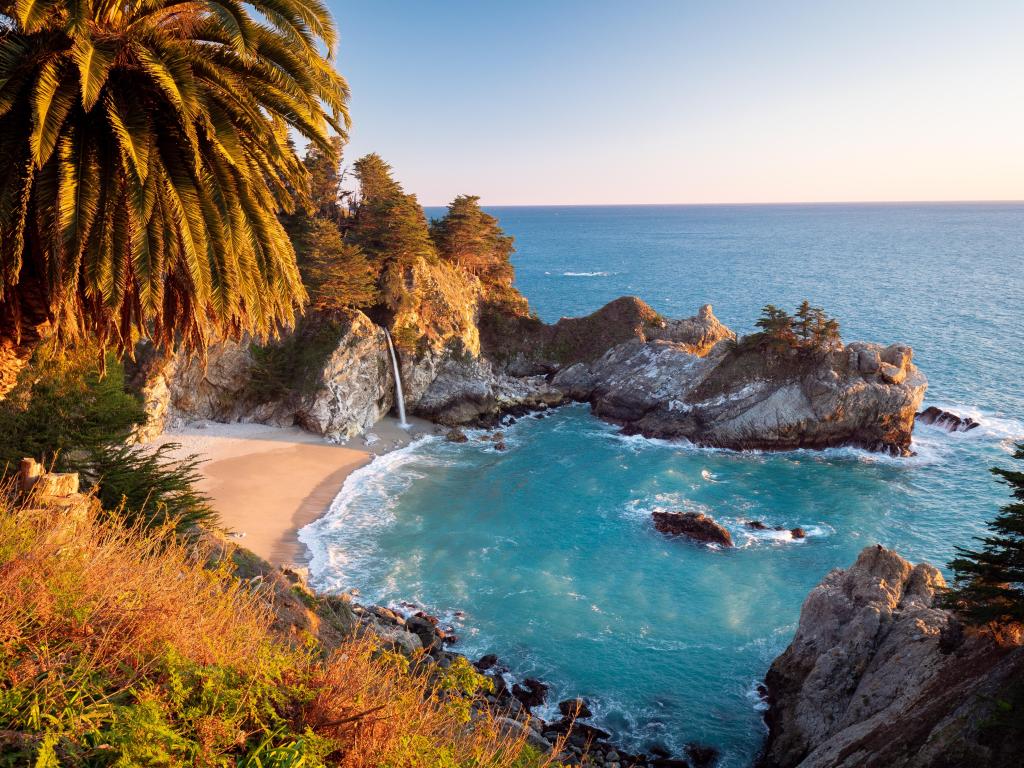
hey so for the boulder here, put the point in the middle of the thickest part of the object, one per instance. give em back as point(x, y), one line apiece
point(693, 525)
point(878, 675)
point(514, 729)
point(531, 692)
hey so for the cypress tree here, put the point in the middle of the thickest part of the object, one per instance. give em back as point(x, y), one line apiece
point(389, 224)
point(473, 239)
point(988, 583)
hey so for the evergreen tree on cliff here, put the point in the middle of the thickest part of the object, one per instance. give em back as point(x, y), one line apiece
point(474, 240)
point(390, 228)
point(337, 274)
point(389, 224)
point(147, 156)
point(989, 582)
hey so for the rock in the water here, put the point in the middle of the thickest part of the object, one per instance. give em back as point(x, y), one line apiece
point(456, 435)
point(531, 692)
point(486, 662)
point(947, 420)
point(574, 708)
point(756, 525)
point(702, 755)
point(693, 525)
point(798, 533)
point(877, 675)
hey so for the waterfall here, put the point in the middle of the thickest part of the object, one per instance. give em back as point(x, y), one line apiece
point(398, 382)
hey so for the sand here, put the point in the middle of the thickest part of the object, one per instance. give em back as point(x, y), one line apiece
point(268, 482)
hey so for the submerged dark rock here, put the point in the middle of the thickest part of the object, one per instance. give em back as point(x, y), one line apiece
point(693, 525)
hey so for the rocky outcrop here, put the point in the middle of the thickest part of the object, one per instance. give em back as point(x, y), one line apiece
point(460, 378)
point(474, 392)
point(523, 345)
point(948, 421)
point(695, 526)
point(877, 676)
point(750, 396)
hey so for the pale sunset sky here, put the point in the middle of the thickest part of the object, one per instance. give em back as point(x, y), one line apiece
point(665, 101)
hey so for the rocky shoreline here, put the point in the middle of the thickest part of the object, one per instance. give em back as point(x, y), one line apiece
point(423, 638)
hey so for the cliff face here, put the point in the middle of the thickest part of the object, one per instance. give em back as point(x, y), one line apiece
point(332, 377)
point(877, 676)
point(470, 352)
point(743, 397)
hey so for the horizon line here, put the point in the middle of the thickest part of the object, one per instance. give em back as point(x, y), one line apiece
point(1006, 201)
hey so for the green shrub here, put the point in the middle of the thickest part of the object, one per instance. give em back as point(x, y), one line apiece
point(293, 364)
point(147, 486)
point(64, 403)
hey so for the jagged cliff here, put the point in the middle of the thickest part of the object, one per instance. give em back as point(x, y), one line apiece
point(470, 351)
point(878, 676)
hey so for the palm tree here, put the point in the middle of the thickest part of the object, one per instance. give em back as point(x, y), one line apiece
point(147, 150)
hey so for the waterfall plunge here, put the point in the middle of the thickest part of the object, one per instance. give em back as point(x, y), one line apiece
point(399, 396)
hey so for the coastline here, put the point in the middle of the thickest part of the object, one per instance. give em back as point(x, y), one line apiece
point(267, 482)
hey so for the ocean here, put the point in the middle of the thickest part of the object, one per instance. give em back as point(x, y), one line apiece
point(545, 554)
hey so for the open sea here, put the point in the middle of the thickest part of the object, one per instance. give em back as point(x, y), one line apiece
point(545, 554)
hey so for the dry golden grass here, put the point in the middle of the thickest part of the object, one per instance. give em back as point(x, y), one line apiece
point(120, 644)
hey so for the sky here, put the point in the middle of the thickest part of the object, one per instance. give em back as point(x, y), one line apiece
point(668, 101)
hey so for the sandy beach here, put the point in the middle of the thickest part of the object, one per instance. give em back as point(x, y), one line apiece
point(268, 482)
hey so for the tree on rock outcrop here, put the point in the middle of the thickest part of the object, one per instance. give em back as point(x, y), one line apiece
point(988, 583)
point(474, 240)
point(810, 328)
point(389, 225)
point(390, 228)
point(336, 273)
point(776, 324)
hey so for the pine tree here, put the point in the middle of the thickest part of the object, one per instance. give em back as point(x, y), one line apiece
point(474, 240)
point(804, 320)
point(776, 323)
point(337, 274)
point(988, 583)
point(389, 225)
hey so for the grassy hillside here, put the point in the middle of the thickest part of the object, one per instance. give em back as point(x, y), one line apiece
point(121, 646)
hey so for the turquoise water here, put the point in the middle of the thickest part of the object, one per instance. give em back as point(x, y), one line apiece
point(544, 554)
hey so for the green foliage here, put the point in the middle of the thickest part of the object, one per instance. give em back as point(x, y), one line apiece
point(473, 239)
point(147, 153)
point(146, 486)
point(69, 415)
point(389, 225)
point(461, 684)
point(810, 328)
point(337, 274)
point(988, 584)
point(63, 403)
point(293, 364)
